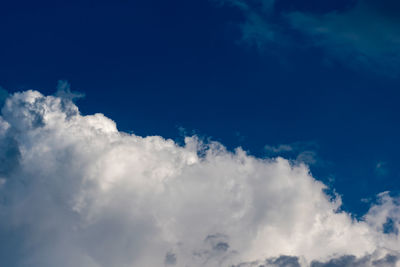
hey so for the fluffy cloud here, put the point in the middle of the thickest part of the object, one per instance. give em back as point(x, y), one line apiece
point(75, 191)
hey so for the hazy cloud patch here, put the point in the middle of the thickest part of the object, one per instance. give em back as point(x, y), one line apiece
point(305, 152)
point(381, 169)
point(365, 35)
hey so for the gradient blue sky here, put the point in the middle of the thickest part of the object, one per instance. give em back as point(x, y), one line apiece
point(311, 79)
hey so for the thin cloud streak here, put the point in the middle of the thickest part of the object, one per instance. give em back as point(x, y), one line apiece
point(365, 36)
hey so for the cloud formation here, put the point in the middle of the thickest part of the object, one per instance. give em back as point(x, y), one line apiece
point(365, 35)
point(75, 191)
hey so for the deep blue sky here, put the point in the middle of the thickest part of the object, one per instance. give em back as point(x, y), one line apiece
point(158, 66)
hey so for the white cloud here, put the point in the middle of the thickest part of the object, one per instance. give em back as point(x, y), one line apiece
point(80, 193)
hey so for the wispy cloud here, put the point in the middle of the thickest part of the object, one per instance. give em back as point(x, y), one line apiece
point(381, 169)
point(257, 28)
point(304, 152)
point(363, 36)
point(64, 91)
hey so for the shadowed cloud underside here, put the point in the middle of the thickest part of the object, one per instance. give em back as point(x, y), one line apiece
point(75, 191)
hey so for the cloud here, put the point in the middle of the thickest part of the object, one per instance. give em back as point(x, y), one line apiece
point(388, 260)
point(78, 192)
point(367, 34)
point(304, 152)
point(363, 36)
point(381, 169)
point(3, 96)
point(279, 148)
point(371, 260)
point(257, 28)
point(281, 261)
point(65, 93)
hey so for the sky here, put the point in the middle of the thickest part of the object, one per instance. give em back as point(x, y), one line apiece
point(199, 133)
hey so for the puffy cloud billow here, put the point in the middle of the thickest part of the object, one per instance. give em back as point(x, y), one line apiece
point(75, 191)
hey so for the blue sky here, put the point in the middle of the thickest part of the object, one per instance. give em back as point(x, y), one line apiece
point(156, 67)
point(316, 81)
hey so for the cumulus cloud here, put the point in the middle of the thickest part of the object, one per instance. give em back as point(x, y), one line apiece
point(75, 191)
